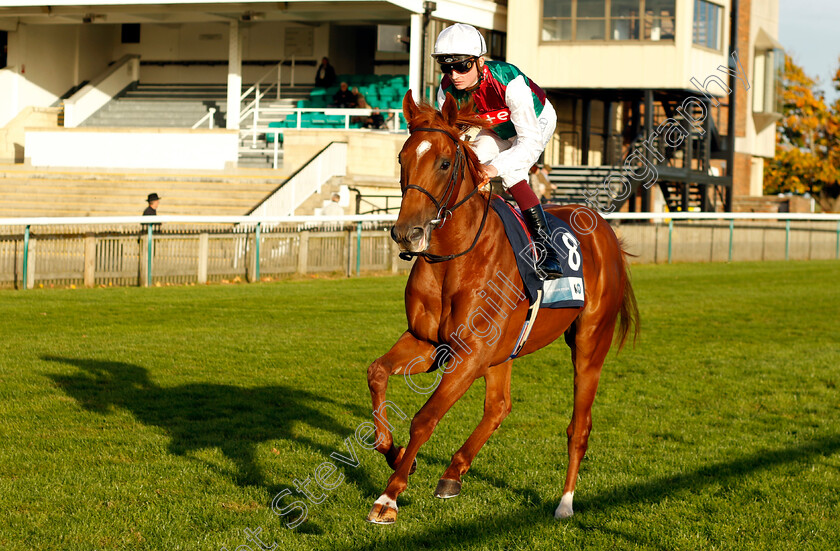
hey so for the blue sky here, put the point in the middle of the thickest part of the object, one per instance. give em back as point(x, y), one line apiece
point(810, 32)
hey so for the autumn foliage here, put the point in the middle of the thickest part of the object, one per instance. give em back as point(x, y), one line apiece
point(807, 141)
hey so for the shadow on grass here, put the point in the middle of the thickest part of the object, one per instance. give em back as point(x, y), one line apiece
point(518, 524)
point(204, 415)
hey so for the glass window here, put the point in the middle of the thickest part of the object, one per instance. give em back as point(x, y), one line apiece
point(590, 29)
point(767, 81)
point(557, 20)
point(591, 8)
point(557, 29)
point(659, 20)
point(707, 22)
point(557, 8)
point(614, 20)
point(590, 20)
point(624, 19)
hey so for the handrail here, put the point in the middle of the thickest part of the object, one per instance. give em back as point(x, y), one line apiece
point(251, 89)
point(209, 115)
point(94, 95)
point(347, 112)
point(329, 162)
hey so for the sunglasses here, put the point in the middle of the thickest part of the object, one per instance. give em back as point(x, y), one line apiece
point(459, 67)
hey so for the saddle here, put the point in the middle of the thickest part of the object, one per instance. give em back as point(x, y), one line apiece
point(566, 292)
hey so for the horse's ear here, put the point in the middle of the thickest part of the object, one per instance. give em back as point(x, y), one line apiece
point(449, 110)
point(410, 108)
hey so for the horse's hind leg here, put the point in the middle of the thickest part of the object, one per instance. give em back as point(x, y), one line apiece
point(497, 406)
point(403, 355)
point(592, 340)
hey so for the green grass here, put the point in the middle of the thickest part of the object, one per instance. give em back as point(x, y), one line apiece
point(168, 419)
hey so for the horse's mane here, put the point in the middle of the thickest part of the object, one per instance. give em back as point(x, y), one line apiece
point(466, 118)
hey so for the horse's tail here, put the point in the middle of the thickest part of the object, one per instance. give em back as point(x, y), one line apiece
point(629, 312)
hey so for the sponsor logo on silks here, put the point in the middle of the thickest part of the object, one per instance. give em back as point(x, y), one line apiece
point(497, 117)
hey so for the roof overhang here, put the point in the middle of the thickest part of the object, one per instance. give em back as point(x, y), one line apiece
point(483, 13)
point(763, 41)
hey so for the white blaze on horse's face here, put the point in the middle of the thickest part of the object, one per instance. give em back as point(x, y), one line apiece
point(424, 146)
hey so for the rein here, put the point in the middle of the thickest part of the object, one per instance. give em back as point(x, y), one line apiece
point(445, 212)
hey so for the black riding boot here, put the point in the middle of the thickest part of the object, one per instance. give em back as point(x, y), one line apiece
point(538, 226)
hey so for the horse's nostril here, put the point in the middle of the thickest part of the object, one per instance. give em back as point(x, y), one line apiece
point(416, 233)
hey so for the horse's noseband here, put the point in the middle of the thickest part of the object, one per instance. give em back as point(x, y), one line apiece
point(444, 212)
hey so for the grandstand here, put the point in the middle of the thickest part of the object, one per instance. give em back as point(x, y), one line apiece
point(188, 66)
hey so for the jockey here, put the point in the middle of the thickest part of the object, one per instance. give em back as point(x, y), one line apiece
point(523, 118)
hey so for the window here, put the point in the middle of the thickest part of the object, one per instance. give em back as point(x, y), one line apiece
point(707, 24)
point(767, 80)
point(130, 33)
point(4, 39)
point(613, 20)
point(497, 45)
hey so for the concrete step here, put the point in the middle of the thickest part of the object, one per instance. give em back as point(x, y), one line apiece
point(140, 120)
point(223, 181)
point(56, 195)
point(124, 106)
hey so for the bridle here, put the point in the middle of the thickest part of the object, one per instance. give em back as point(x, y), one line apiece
point(444, 212)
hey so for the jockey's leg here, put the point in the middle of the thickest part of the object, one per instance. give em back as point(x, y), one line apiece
point(549, 265)
point(487, 146)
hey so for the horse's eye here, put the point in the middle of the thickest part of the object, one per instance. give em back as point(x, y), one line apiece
point(444, 165)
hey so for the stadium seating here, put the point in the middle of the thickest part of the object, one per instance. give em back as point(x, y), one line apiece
point(381, 91)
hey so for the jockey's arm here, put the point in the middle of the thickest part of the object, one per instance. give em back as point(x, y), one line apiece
point(527, 145)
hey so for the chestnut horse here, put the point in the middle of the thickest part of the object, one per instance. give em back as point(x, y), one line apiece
point(460, 247)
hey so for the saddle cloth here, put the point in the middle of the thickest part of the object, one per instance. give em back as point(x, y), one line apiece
point(566, 292)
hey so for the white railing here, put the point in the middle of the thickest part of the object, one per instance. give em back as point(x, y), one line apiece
point(253, 108)
point(128, 250)
point(211, 112)
point(96, 94)
point(261, 92)
point(251, 219)
point(256, 129)
point(328, 163)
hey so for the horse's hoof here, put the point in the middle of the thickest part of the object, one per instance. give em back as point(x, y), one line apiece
point(564, 509)
point(562, 513)
point(447, 488)
point(382, 514)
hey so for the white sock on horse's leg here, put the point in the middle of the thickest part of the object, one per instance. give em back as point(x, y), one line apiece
point(564, 510)
point(387, 501)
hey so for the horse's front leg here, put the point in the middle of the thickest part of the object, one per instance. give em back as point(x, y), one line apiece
point(401, 357)
point(497, 404)
point(452, 386)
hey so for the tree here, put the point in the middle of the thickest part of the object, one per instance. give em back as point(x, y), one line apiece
point(807, 141)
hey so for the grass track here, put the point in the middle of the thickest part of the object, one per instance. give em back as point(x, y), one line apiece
point(168, 418)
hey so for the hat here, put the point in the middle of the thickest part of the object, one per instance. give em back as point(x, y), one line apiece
point(457, 42)
point(152, 197)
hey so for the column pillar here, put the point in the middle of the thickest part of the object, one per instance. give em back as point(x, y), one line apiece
point(415, 61)
point(234, 80)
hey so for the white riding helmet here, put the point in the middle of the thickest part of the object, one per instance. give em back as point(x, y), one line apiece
point(457, 43)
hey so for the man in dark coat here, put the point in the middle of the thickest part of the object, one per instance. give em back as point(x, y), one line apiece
point(325, 75)
point(344, 97)
point(153, 201)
